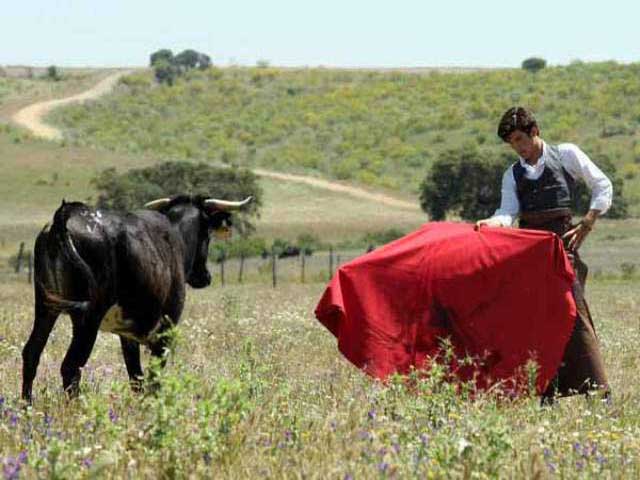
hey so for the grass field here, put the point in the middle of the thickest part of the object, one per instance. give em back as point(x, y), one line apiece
point(257, 388)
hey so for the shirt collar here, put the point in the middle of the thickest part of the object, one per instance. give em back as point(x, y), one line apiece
point(539, 164)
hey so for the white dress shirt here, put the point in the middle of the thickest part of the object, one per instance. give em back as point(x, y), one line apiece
point(575, 162)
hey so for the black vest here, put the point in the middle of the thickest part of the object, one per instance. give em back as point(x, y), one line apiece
point(553, 189)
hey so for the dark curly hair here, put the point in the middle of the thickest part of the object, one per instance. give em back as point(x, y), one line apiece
point(516, 118)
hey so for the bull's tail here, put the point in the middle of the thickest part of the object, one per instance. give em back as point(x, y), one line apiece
point(64, 246)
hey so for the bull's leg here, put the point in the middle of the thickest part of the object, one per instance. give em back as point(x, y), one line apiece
point(131, 354)
point(85, 332)
point(44, 321)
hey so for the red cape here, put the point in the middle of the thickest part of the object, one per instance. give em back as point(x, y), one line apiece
point(503, 296)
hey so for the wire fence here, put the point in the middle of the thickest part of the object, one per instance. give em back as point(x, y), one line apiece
point(317, 267)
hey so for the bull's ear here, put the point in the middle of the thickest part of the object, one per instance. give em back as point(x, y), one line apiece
point(225, 204)
point(157, 204)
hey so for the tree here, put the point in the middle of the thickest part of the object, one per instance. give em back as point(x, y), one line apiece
point(204, 61)
point(163, 54)
point(187, 59)
point(166, 72)
point(53, 73)
point(132, 189)
point(465, 181)
point(534, 64)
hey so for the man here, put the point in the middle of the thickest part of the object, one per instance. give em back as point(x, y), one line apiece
point(538, 188)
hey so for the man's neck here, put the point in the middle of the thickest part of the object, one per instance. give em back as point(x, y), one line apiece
point(539, 144)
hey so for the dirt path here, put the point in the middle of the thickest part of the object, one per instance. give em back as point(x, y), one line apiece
point(32, 116)
point(339, 187)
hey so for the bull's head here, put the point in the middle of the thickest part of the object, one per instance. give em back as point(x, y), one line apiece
point(197, 218)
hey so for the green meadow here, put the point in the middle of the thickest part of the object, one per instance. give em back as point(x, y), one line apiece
point(256, 387)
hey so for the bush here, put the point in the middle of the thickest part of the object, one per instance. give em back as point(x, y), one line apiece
point(134, 188)
point(162, 55)
point(465, 181)
point(534, 64)
point(53, 73)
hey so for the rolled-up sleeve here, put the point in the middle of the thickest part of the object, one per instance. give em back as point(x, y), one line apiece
point(509, 204)
point(579, 165)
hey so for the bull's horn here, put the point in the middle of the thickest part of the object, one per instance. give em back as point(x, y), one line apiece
point(225, 204)
point(157, 204)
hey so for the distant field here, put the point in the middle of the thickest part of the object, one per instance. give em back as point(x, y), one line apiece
point(374, 128)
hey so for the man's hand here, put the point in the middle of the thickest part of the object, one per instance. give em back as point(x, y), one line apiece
point(489, 222)
point(577, 234)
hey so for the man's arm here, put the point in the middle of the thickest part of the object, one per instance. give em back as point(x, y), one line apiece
point(580, 166)
point(509, 204)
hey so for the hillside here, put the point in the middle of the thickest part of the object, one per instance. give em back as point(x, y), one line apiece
point(380, 129)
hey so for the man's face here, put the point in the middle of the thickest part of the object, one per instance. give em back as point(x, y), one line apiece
point(525, 145)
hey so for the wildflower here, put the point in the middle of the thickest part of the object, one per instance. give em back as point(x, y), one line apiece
point(87, 462)
point(13, 419)
point(552, 467)
point(546, 452)
point(383, 467)
point(424, 439)
point(396, 447)
point(371, 415)
point(579, 465)
point(113, 416)
point(288, 436)
point(348, 476)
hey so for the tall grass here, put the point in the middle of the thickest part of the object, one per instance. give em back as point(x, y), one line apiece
point(257, 388)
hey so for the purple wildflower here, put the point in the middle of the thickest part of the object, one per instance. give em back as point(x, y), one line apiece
point(113, 416)
point(364, 435)
point(383, 467)
point(424, 439)
point(396, 447)
point(546, 452)
point(348, 476)
point(87, 462)
point(579, 465)
point(11, 466)
point(13, 419)
point(371, 414)
point(552, 467)
point(288, 435)
point(601, 459)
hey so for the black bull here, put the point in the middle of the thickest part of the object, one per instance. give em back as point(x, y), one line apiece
point(120, 272)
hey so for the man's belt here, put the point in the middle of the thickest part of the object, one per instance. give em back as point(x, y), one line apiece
point(543, 217)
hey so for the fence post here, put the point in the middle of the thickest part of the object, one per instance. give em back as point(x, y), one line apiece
point(273, 267)
point(29, 267)
point(330, 262)
point(241, 270)
point(302, 265)
point(19, 259)
point(222, 260)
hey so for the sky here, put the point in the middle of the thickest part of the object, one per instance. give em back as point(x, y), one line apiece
point(331, 33)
